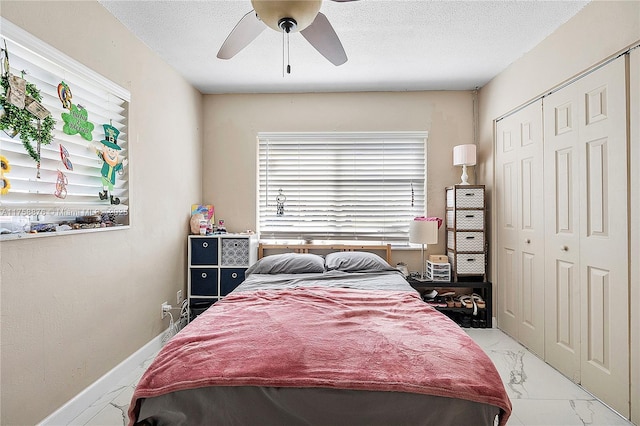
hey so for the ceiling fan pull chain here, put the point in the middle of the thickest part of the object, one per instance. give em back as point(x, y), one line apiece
point(286, 25)
point(288, 56)
point(285, 52)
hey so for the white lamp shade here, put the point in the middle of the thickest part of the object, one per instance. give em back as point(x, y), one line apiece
point(423, 232)
point(464, 155)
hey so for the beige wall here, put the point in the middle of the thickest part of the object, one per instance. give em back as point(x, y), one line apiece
point(75, 306)
point(233, 121)
point(600, 30)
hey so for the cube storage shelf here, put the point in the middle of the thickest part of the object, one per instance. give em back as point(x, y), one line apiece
point(217, 264)
point(466, 231)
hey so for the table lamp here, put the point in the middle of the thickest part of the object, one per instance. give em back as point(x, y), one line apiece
point(423, 232)
point(464, 155)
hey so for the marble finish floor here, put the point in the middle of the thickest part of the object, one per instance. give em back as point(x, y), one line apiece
point(539, 394)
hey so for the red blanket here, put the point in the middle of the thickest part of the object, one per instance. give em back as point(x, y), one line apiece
point(331, 338)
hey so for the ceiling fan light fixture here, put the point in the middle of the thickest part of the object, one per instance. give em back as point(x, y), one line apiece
point(286, 16)
point(287, 25)
point(272, 12)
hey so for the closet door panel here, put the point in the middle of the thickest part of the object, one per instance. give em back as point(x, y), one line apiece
point(568, 333)
point(562, 301)
point(598, 292)
point(520, 225)
point(531, 234)
point(509, 268)
point(587, 321)
point(528, 274)
point(507, 237)
point(565, 214)
point(604, 228)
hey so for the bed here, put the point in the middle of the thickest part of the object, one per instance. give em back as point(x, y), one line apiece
point(321, 340)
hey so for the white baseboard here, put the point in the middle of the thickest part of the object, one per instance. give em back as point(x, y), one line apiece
point(69, 411)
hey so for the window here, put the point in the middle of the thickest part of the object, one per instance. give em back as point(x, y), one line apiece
point(67, 183)
point(363, 187)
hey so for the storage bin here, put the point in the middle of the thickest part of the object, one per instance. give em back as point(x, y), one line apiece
point(468, 264)
point(230, 278)
point(469, 219)
point(198, 307)
point(465, 241)
point(235, 251)
point(470, 198)
point(204, 251)
point(204, 281)
point(438, 271)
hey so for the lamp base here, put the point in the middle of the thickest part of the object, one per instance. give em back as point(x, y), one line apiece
point(464, 176)
point(424, 275)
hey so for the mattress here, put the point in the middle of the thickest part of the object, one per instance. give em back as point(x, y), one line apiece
point(333, 347)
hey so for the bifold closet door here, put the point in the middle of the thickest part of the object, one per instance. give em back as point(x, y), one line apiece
point(586, 266)
point(520, 226)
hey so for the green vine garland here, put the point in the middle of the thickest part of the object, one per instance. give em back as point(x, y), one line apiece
point(23, 122)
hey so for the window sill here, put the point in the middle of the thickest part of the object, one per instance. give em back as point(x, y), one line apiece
point(394, 246)
point(27, 236)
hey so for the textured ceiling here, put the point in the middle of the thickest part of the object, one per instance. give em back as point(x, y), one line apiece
point(392, 45)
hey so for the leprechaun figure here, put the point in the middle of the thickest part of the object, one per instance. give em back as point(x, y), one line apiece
point(111, 166)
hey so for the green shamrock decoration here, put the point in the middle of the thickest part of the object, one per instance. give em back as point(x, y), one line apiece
point(75, 121)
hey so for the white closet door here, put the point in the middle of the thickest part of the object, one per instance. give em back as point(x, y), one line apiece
point(520, 236)
point(506, 193)
point(587, 241)
point(604, 257)
point(562, 242)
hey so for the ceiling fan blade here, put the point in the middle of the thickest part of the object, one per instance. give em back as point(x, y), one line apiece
point(343, 1)
point(322, 36)
point(242, 34)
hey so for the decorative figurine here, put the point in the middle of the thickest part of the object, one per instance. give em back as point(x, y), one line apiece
point(220, 229)
point(109, 155)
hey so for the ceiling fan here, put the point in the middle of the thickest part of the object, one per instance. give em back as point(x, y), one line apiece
point(286, 16)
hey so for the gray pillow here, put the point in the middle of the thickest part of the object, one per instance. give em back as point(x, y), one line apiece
point(356, 261)
point(287, 263)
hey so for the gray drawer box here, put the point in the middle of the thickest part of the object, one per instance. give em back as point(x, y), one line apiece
point(465, 241)
point(467, 263)
point(465, 219)
point(466, 198)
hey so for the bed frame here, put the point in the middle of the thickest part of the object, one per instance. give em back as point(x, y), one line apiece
point(323, 249)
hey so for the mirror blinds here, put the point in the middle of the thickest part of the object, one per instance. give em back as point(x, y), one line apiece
point(68, 182)
point(363, 187)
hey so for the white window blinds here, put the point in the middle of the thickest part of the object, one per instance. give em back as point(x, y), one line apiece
point(363, 187)
point(77, 191)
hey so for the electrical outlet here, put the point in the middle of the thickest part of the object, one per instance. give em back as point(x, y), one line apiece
point(165, 309)
point(179, 297)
